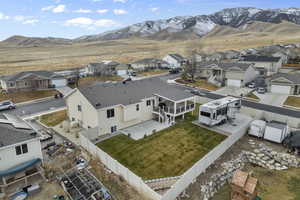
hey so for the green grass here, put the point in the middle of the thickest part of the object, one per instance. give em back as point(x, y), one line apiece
point(165, 154)
point(293, 101)
point(252, 96)
point(54, 119)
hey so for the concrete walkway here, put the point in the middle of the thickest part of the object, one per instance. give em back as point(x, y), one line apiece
point(145, 128)
point(272, 98)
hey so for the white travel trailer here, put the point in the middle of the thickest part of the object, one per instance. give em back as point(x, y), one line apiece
point(257, 128)
point(219, 111)
point(276, 131)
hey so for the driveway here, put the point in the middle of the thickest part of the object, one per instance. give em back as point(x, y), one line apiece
point(272, 98)
point(233, 91)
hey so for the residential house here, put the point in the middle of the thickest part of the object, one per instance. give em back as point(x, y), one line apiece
point(109, 107)
point(284, 57)
point(122, 69)
point(20, 153)
point(149, 64)
point(215, 57)
point(104, 68)
point(175, 60)
point(229, 74)
point(32, 80)
point(285, 83)
point(271, 64)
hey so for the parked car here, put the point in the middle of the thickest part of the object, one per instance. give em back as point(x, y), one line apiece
point(174, 71)
point(7, 105)
point(251, 85)
point(261, 90)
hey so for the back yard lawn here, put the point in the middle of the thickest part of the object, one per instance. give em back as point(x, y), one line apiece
point(199, 83)
point(165, 154)
point(293, 101)
point(283, 185)
point(19, 97)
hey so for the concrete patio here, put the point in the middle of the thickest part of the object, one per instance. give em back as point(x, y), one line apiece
point(146, 128)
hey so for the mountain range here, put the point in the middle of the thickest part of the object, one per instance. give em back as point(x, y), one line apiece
point(184, 27)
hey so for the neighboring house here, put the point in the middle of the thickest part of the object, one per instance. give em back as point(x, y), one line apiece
point(284, 57)
point(149, 64)
point(109, 107)
point(175, 60)
point(32, 80)
point(229, 74)
point(122, 69)
point(215, 57)
point(20, 152)
point(104, 68)
point(285, 83)
point(271, 64)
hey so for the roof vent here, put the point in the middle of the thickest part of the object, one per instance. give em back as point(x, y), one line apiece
point(33, 134)
point(98, 104)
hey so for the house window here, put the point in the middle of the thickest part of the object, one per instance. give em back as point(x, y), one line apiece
point(113, 129)
point(11, 84)
point(110, 113)
point(137, 107)
point(73, 119)
point(22, 149)
point(79, 108)
point(148, 102)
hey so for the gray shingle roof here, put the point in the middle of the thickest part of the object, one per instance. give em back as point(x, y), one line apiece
point(239, 66)
point(293, 77)
point(14, 130)
point(102, 95)
point(255, 58)
point(178, 57)
point(19, 76)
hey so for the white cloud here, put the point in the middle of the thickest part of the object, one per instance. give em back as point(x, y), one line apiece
point(31, 21)
point(102, 11)
point(59, 9)
point(19, 18)
point(154, 9)
point(2, 16)
point(121, 1)
point(120, 11)
point(90, 23)
point(47, 8)
point(81, 10)
point(55, 9)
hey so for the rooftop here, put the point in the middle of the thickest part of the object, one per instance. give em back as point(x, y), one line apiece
point(178, 57)
point(14, 130)
point(276, 124)
point(220, 102)
point(149, 61)
point(21, 75)
point(102, 95)
point(292, 77)
point(256, 58)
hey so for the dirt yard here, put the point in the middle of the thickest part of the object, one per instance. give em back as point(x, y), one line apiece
point(274, 181)
point(19, 97)
point(49, 190)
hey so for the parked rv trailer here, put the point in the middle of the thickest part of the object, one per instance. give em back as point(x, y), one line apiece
point(257, 128)
point(219, 111)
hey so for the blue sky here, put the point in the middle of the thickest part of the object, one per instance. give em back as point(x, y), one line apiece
point(73, 18)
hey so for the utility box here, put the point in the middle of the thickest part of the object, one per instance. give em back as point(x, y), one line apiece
point(276, 131)
point(257, 128)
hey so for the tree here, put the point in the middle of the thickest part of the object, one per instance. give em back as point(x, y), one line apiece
point(190, 67)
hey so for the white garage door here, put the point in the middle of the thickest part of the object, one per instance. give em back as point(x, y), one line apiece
point(121, 72)
point(280, 89)
point(234, 83)
point(59, 82)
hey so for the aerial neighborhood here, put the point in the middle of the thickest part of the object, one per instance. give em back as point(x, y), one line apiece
point(187, 122)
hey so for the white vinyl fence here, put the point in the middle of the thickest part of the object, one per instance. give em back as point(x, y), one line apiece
point(189, 176)
point(119, 169)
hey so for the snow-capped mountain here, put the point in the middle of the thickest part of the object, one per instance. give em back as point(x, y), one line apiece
point(198, 26)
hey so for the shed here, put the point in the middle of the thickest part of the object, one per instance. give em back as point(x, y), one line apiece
point(257, 128)
point(276, 131)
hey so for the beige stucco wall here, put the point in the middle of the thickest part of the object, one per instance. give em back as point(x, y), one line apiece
point(88, 117)
point(122, 119)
